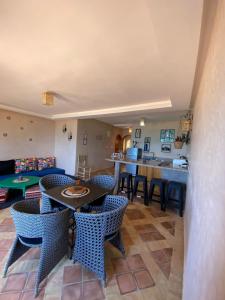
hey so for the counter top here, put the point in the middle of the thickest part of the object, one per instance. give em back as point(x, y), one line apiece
point(159, 164)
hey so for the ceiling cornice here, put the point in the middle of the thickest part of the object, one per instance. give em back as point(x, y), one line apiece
point(98, 112)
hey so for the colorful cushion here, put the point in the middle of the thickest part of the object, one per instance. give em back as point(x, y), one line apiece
point(25, 164)
point(3, 194)
point(44, 163)
point(33, 192)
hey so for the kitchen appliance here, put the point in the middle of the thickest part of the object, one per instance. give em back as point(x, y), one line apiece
point(133, 154)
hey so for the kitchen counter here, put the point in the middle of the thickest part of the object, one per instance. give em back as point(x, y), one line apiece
point(166, 166)
point(160, 164)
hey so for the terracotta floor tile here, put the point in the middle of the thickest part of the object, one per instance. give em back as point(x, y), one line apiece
point(135, 262)
point(134, 214)
point(7, 221)
point(88, 275)
point(165, 268)
point(120, 265)
point(157, 213)
point(33, 253)
point(144, 228)
point(168, 225)
point(29, 295)
point(3, 254)
point(72, 292)
point(126, 283)
point(7, 228)
point(92, 290)
point(10, 296)
point(15, 282)
point(72, 274)
point(163, 255)
point(5, 244)
point(144, 279)
point(151, 236)
point(31, 280)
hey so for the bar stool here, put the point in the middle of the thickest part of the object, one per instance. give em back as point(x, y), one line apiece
point(126, 177)
point(138, 179)
point(161, 183)
point(175, 193)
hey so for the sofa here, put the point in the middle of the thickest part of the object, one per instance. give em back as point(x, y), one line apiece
point(29, 167)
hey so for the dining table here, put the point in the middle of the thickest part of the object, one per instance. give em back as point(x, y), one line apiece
point(75, 203)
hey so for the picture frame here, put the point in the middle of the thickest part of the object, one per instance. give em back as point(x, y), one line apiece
point(138, 133)
point(166, 148)
point(167, 135)
point(147, 142)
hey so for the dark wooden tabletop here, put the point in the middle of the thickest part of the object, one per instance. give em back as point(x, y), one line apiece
point(96, 192)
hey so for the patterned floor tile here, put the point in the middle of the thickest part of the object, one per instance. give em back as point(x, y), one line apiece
point(15, 282)
point(144, 279)
point(135, 262)
point(126, 283)
point(10, 296)
point(142, 274)
point(72, 274)
point(134, 214)
point(72, 292)
point(170, 226)
point(92, 290)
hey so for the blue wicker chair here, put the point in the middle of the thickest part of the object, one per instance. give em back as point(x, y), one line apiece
point(47, 231)
point(105, 181)
point(94, 229)
point(50, 181)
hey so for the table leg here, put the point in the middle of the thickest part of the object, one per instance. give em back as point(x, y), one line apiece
point(24, 192)
point(116, 175)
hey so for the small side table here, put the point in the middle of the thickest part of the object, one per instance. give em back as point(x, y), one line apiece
point(13, 183)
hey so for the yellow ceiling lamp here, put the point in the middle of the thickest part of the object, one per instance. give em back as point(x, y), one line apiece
point(47, 99)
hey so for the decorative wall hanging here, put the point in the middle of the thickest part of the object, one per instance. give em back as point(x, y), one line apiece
point(31, 121)
point(166, 148)
point(30, 139)
point(147, 142)
point(85, 139)
point(64, 129)
point(5, 134)
point(70, 136)
point(21, 128)
point(8, 118)
point(167, 135)
point(138, 133)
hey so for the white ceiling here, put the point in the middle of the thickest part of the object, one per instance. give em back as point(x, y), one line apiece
point(97, 54)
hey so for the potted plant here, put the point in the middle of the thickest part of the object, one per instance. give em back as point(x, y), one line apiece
point(179, 141)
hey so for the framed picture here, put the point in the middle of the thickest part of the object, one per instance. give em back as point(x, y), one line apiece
point(167, 135)
point(147, 142)
point(166, 148)
point(138, 133)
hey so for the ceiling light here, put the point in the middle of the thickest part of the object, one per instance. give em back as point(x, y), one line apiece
point(130, 130)
point(142, 122)
point(47, 99)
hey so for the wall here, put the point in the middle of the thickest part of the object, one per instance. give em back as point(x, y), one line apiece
point(100, 142)
point(204, 265)
point(20, 129)
point(152, 129)
point(65, 150)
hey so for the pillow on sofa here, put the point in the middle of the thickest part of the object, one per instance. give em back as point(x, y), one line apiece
point(7, 167)
point(25, 164)
point(44, 163)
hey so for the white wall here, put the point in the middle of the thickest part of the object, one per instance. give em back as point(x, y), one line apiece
point(100, 142)
point(152, 129)
point(65, 150)
point(20, 129)
point(204, 265)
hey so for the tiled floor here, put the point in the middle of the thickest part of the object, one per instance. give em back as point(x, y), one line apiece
point(151, 270)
